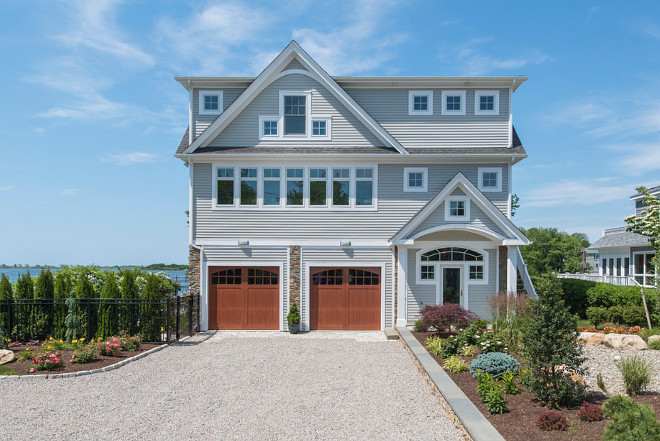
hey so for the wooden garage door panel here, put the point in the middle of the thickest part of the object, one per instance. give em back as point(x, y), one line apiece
point(345, 298)
point(244, 298)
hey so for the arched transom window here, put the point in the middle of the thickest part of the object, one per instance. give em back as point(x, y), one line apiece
point(452, 254)
point(474, 263)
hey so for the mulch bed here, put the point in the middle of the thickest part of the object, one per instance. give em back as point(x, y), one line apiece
point(22, 367)
point(519, 424)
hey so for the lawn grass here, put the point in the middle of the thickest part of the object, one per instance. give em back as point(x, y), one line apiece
point(584, 322)
point(4, 370)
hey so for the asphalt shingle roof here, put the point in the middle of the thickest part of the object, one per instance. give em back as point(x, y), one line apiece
point(622, 239)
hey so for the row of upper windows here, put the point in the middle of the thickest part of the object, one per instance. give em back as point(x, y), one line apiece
point(294, 187)
point(486, 102)
point(417, 179)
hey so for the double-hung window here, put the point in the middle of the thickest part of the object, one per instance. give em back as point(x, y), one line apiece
point(486, 102)
point(453, 102)
point(295, 114)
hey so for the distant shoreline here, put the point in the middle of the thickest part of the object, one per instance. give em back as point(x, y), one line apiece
point(153, 267)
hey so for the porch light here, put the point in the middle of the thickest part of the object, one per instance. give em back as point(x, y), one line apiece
point(345, 243)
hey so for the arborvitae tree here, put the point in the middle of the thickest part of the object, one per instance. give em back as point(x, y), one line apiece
point(150, 321)
point(552, 349)
point(6, 294)
point(4, 335)
point(63, 290)
point(24, 291)
point(73, 330)
point(40, 317)
point(107, 318)
point(130, 312)
point(85, 290)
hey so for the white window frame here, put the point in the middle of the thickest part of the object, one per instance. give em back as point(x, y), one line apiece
point(496, 102)
point(425, 179)
point(465, 265)
point(328, 186)
point(262, 120)
point(240, 179)
point(481, 171)
point(465, 217)
point(462, 94)
point(306, 179)
point(411, 98)
point(328, 127)
point(200, 102)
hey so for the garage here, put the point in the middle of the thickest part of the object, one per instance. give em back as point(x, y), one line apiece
point(346, 298)
point(244, 298)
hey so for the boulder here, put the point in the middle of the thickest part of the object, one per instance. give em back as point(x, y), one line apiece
point(592, 338)
point(654, 338)
point(6, 356)
point(623, 341)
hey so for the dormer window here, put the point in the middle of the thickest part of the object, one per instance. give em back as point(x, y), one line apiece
point(453, 102)
point(295, 115)
point(420, 102)
point(486, 102)
point(210, 102)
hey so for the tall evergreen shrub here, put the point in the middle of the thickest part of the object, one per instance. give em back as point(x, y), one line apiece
point(24, 291)
point(73, 329)
point(130, 312)
point(6, 295)
point(150, 321)
point(85, 290)
point(107, 317)
point(63, 290)
point(40, 316)
point(550, 345)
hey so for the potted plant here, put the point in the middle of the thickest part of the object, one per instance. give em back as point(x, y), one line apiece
point(293, 317)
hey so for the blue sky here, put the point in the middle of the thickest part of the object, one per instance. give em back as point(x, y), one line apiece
point(90, 114)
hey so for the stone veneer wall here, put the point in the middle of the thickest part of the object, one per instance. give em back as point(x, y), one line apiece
point(193, 270)
point(294, 275)
point(503, 256)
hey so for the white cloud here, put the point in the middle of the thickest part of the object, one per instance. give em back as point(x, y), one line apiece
point(70, 192)
point(92, 26)
point(638, 158)
point(130, 158)
point(7, 188)
point(569, 193)
point(363, 44)
point(472, 60)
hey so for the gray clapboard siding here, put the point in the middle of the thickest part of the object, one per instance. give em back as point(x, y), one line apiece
point(389, 106)
point(295, 64)
point(478, 295)
point(252, 256)
point(347, 130)
point(356, 256)
point(201, 122)
point(395, 209)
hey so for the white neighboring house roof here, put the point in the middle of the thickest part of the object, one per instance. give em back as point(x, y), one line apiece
point(516, 237)
point(270, 74)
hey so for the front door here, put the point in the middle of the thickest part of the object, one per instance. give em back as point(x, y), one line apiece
point(451, 285)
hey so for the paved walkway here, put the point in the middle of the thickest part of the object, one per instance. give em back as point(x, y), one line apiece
point(238, 386)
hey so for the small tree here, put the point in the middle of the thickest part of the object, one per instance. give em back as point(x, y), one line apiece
point(63, 290)
point(73, 329)
point(84, 290)
point(40, 316)
point(6, 295)
point(24, 291)
point(551, 347)
point(107, 324)
point(151, 310)
point(130, 312)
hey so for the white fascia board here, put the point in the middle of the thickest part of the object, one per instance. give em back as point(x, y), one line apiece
point(387, 157)
point(279, 243)
point(268, 75)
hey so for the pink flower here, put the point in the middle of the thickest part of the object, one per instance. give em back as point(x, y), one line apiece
point(32, 371)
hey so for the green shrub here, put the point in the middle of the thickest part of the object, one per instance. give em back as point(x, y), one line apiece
point(293, 317)
point(615, 314)
point(551, 340)
point(633, 316)
point(129, 344)
point(489, 342)
point(631, 422)
point(485, 382)
point(449, 347)
point(509, 382)
point(6, 293)
point(575, 295)
point(470, 335)
point(637, 372)
point(494, 399)
point(86, 354)
point(434, 344)
point(494, 363)
point(73, 331)
point(107, 316)
point(616, 404)
point(655, 345)
point(597, 315)
point(454, 364)
point(525, 377)
point(419, 326)
point(47, 361)
point(468, 351)
point(24, 291)
point(62, 290)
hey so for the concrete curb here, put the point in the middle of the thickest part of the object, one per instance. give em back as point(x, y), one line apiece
point(112, 367)
point(470, 419)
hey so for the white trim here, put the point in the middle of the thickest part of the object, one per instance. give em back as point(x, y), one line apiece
point(510, 189)
point(425, 179)
point(393, 287)
point(477, 102)
point(429, 99)
point(466, 209)
point(283, 179)
point(511, 116)
point(512, 269)
point(464, 264)
point(191, 209)
point(278, 243)
point(262, 120)
point(355, 263)
point(481, 171)
point(308, 113)
point(328, 127)
point(445, 94)
point(200, 101)
point(402, 287)
point(191, 129)
point(459, 227)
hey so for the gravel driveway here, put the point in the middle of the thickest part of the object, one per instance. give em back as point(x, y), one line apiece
point(238, 386)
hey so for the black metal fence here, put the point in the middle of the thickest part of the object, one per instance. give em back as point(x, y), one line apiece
point(156, 321)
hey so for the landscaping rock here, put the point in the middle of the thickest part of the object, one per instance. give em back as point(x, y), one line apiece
point(6, 356)
point(654, 338)
point(592, 338)
point(623, 341)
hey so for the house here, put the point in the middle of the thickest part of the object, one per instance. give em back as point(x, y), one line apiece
point(623, 254)
point(359, 198)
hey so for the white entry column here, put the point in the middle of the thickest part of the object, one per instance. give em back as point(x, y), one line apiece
point(402, 287)
point(511, 269)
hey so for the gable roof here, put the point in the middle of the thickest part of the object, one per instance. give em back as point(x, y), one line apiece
point(620, 239)
point(292, 51)
point(516, 237)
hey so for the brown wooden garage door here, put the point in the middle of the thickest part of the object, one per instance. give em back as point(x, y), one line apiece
point(345, 298)
point(244, 298)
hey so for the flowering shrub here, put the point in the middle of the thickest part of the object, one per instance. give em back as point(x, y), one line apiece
point(443, 317)
point(552, 420)
point(33, 343)
point(590, 412)
point(129, 344)
point(25, 355)
point(488, 342)
point(86, 354)
point(109, 348)
point(47, 361)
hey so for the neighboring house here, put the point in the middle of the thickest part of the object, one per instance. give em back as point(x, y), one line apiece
point(623, 254)
point(360, 198)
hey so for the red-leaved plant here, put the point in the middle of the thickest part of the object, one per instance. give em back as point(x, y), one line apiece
point(590, 412)
point(442, 317)
point(552, 420)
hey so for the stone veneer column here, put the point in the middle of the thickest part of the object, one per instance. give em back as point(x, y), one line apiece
point(294, 275)
point(503, 255)
point(193, 270)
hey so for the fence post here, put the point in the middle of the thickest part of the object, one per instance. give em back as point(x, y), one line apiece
point(190, 316)
point(89, 318)
point(178, 313)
